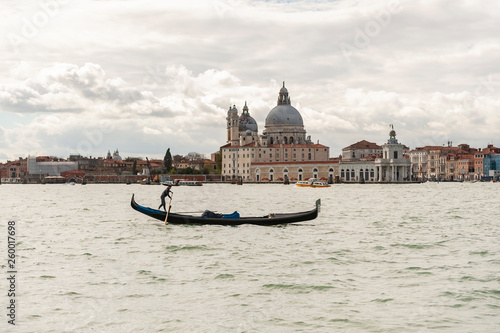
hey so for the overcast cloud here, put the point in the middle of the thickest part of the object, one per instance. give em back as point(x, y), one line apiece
point(143, 76)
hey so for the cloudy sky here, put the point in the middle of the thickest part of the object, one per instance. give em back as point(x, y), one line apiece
point(143, 76)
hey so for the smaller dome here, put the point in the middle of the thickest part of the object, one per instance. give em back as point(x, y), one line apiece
point(248, 132)
point(246, 122)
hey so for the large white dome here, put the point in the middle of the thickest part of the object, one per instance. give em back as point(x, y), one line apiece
point(284, 114)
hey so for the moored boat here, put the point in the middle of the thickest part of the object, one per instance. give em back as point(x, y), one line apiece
point(229, 219)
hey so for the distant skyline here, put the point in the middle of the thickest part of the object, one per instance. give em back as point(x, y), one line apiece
point(144, 76)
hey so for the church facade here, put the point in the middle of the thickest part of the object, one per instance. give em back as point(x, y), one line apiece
point(282, 152)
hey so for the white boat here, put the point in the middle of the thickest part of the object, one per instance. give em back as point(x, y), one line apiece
point(320, 184)
point(182, 182)
point(306, 183)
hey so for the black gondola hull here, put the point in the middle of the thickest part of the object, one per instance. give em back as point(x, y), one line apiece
point(274, 219)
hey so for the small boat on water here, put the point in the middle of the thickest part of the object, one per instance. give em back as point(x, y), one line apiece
point(306, 183)
point(320, 184)
point(312, 182)
point(228, 219)
point(182, 182)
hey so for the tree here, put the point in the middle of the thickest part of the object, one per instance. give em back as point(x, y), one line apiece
point(218, 161)
point(167, 160)
point(134, 168)
point(195, 159)
point(206, 169)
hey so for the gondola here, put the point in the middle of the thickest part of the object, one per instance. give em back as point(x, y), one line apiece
point(266, 220)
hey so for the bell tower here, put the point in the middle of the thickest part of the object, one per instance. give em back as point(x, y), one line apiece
point(232, 126)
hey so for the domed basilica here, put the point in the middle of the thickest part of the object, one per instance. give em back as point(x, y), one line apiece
point(282, 152)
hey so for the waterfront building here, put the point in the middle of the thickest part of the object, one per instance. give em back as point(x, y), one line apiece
point(492, 166)
point(38, 168)
point(367, 162)
point(439, 162)
point(360, 150)
point(283, 151)
point(486, 162)
point(466, 167)
point(13, 171)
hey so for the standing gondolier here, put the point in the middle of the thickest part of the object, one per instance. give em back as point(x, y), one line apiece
point(165, 194)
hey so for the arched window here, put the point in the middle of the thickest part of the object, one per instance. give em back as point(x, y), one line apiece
point(342, 173)
point(300, 173)
point(291, 139)
point(285, 140)
point(372, 173)
point(315, 173)
point(271, 140)
point(347, 175)
point(271, 174)
point(367, 175)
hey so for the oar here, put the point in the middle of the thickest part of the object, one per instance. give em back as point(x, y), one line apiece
point(169, 205)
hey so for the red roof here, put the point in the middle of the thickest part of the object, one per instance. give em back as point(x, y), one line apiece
point(363, 144)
